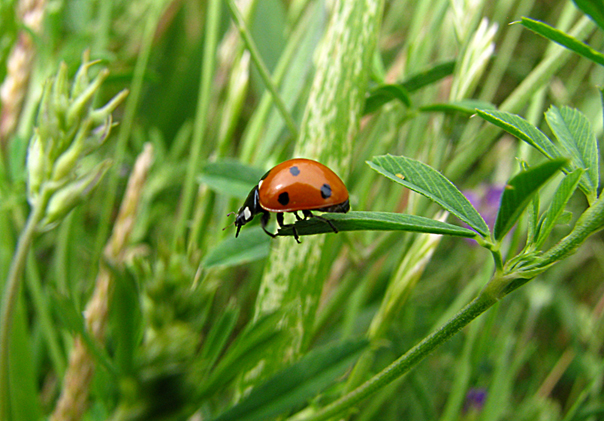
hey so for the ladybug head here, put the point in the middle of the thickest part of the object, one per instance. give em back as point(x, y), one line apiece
point(251, 207)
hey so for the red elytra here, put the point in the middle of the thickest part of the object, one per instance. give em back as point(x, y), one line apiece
point(295, 185)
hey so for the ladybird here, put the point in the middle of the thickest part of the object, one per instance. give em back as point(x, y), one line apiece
point(295, 185)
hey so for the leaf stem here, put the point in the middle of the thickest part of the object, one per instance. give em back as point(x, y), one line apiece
point(264, 73)
point(11, 293)
point(404, 364)
point(591, 221)
point(201, 119)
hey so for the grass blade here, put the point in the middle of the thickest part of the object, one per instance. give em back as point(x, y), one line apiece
point(295, 384)
point(426, 181)
point(466, 106)
point(519, 192)
point(430, 76)
point(383, 94)
point(251, 245)
point(387, 92)
point(231, 178)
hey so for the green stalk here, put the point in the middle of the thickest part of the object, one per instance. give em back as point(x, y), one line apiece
point(539, 77)
point(401, 366)
point(199, 129)
point(591, 221)
point(124, 134)
point(294, 275)
point(11, 293)
point(264, 73)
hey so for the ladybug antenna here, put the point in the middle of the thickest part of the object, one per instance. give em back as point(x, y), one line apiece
point(228, 214)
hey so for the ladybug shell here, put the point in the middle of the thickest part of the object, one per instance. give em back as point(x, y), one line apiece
point(301, 184)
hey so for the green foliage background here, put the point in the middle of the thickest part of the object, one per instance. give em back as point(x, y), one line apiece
point(198, 319)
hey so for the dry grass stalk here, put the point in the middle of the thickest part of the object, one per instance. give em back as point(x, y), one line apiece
point(19, 64)
point(74, 396)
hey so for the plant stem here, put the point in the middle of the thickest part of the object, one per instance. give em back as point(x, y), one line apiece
point(404, 364)
point(590, 222)
point(11, 294)
point(126, 125)
point(264, 73)
point(201, 118)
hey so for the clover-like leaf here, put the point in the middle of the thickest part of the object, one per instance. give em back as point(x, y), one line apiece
point(523, 130)
point(575, 134)
point(519, 191)
point(376, 221)
point(564, 39)
point(427, 181)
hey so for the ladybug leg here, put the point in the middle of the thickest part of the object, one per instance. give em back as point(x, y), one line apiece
point(298, 216)
point(281, 224)
point(309, 214)
point(264, 221)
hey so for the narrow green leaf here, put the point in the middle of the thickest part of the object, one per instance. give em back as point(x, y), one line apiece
point(425, 180)
point(553, 214)
point(574, 132)
point(563, 39)
point(533, 219)
point(430, 76)
point(74, 321)
point(24, 397)
point(594, 9)
point(466, 106)
point(246, 350)
point(127, 320)
point(297, 383)
point(252, 244)
point(518, 193)
point(231, 178)
point(219, 334)
point(385, 93)
point(523, 130)
point(376, 221)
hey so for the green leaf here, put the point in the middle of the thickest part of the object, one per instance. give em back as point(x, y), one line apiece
point(594, 9)
point(251, 245)
point(74, 321)
point(553, 214)
point(466, 106)
point(231, 178)
point(383, 94)
point(574, 132)
point(563, 39)
point(126, 319)
point(246, 350)
point(297, 383)
point(430, 76)
point(219, 334)
point(387, 92)
point(23, 390)
point(425, 180)
point(523, 130)
point(518, 193)
point(375, 221)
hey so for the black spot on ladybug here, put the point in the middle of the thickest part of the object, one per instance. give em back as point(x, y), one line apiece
point(283, 198)
point(325, 191)
point(294, 170)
